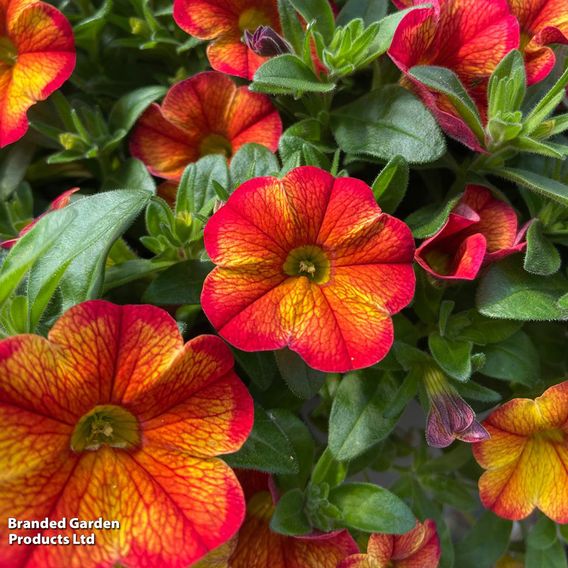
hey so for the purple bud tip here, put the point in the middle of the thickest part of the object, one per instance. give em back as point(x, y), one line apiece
point(264, 41)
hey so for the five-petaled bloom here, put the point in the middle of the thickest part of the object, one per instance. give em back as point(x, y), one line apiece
point(310, 262)
point(470, 37)
point(526, 458)
point(58, 203)
point(37, 55)
point(206, 114)
point(225, 23)
point(542, 22)
point(450, 416)
point(114, 417)
point(418, 548)
point(258, 546)
point(480, 229)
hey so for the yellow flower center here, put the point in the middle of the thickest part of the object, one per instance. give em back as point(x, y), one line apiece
point(309, 261)
point(108, 425)
point(252, 18)
point(8, 51)
point(215, 144)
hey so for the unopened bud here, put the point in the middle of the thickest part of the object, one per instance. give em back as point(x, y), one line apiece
point(266, 42)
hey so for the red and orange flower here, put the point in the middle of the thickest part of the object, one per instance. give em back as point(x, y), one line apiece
point(470, 37)
point(258, 546)
point(542, 22)
point(526, 457)
point(114, 417)
point(479, 230)
point(58, 203)
point(206, 114)
point(310, 262)
point(225, 22)
point(418, 548)
point(37, 55)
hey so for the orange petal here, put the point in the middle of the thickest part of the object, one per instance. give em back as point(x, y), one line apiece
point(45, 59)
point(172, 509)
point(230, 55)
point(198, 405)
point(206, 19)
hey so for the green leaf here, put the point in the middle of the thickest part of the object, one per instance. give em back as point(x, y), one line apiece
point(286, 75)
point(446, 82)
point(132, 174)
point(485, 543)
point(507, 291)
point(555, 190)
point(389, 188)
point(427, 221)
point(328, 470)
point(130, 107)
point(388, 122)
point(552, 557)
point(251, 161)
point(515, 359)
point(507, 85)
point(302, 380)
point(542, 257)
point(289, 518)
point(15, 162)
point(475, 391)
point(543, 534)
point(453, 355)
point(291, 25)
point(267, 448)
point(370, 508)
point(483, 330)
point(76, 261)
point(260, 366)
point(196, 188)
point(357, 420)
point(321, 12)
point(369, 11)
point(179, 284)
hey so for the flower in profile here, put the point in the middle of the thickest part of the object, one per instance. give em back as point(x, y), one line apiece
point(37, 55)
point(468, 37)
point(309, 262)
point(479, 230)
point(543, 22)
point(225, 23)
point(58, 203)
point(418, 548)
point(206, 114)
point(258, 546)
point(266, 42)
point(450, 416)
point(113, 416)
point(526, 457)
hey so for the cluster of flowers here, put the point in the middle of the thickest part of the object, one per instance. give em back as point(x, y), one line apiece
point(113, 416)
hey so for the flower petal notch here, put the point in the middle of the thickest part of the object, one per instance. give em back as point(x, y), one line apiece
point(469, 37)
point(258, 546)
point(59, 203)
point(527, 457)
point(480, 229)
point(543, 22)
point(206, 114)
point(226, 23)
point(37, 55)
point(450, 417)
point(419, 547)
point(309, 262)
point(114, 417)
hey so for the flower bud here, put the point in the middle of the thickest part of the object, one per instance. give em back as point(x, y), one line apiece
point(266, 42)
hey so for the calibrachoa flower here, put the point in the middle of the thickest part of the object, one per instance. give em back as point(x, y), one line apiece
point(58, 203)
point(310, 262)
point(225, 22)
point(450, 416)
point(479, 230)
point(470, 37)
point(418, 548)
point(527, 456)
point(542, 22)
point(206, 114)
point(258, 546)
point(114, 417)
point(37, 55)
